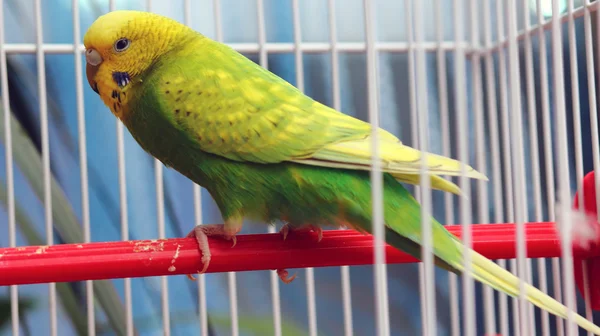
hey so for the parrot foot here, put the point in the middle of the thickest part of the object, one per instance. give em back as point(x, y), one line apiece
point(201, 233)
point(285, 230)
point(284, 276)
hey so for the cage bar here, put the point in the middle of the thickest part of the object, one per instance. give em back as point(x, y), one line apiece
point(45, 140)
point(85, 203)
point(489, 307)
point(10, 181)
point(337, 104)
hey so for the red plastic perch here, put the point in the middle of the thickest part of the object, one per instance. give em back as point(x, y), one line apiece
point(76, 262)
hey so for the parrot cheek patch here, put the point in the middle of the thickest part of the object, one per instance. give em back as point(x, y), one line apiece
point(121, 78)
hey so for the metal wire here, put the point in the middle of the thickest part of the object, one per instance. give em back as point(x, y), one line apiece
point(465, 206)
point(519, 198)
point(203, 310)
point(562, 163)
point(548, 154)
point(85, 203)
point(416, 124)
point(446, 141)
point(380, 269)
point(534, 153)
point(270, 47)
point(337, 104)
point(496, 157)
point(589, 57)
point(426, 274)
point(496, 171)
point(506, 157)
point(231, 276)
point(202, 304)
point(576, 112)
point(124, 211)
point(43, 105)
point(10, 181)
point(481, 160)
point(415, 136)
point(593, 106)
point(319, 47)
point(160, 214)
point(592, 96)
point(298, 61)
point(263, 61)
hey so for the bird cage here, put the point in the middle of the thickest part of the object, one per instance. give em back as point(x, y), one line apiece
point(92, 230)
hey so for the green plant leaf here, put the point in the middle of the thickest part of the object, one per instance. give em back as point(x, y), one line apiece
point(255, 324)
point(25, 305)
point(259, 325)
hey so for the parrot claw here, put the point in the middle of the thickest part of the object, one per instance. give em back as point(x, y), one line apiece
point(284, 276)
point(201, 233)
point(319, 232)
point(285, 230)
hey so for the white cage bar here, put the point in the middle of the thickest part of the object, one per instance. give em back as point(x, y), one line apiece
point(507, 113)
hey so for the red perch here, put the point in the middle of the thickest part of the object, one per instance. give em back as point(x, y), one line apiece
point(127, 259)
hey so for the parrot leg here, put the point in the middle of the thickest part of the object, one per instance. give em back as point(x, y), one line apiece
point(285, 230)
point(202, 232)
point(284, 276)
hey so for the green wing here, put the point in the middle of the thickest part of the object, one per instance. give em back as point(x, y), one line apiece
point(237, 109)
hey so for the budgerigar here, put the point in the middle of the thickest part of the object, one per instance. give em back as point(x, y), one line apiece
point(262, 148)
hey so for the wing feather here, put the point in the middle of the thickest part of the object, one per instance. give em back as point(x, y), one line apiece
point(240, 111)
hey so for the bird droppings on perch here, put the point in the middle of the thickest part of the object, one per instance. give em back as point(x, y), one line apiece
point(149, 246)
point(175, 256)
point(41, 249)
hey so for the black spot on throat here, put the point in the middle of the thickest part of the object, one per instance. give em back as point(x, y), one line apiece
point(121, 78)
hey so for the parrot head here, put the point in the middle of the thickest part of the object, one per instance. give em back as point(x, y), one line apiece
point(122, 45)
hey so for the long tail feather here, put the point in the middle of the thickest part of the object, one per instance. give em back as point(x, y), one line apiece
point(437, 182)
point(491, 274)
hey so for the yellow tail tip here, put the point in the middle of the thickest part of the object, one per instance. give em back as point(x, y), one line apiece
point(491, 274)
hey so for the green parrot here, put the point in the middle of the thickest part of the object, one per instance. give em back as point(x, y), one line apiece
point(263, 149)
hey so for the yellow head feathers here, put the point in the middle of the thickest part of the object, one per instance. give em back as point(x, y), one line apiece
point(122, 44)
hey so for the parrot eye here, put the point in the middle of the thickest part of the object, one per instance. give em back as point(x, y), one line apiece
point(122, 44)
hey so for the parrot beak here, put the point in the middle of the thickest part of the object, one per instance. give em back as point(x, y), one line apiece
point(93, 60)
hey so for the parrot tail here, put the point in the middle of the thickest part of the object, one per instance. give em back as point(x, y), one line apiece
point(403, 230)
point(491, 274)
point(437, 182)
